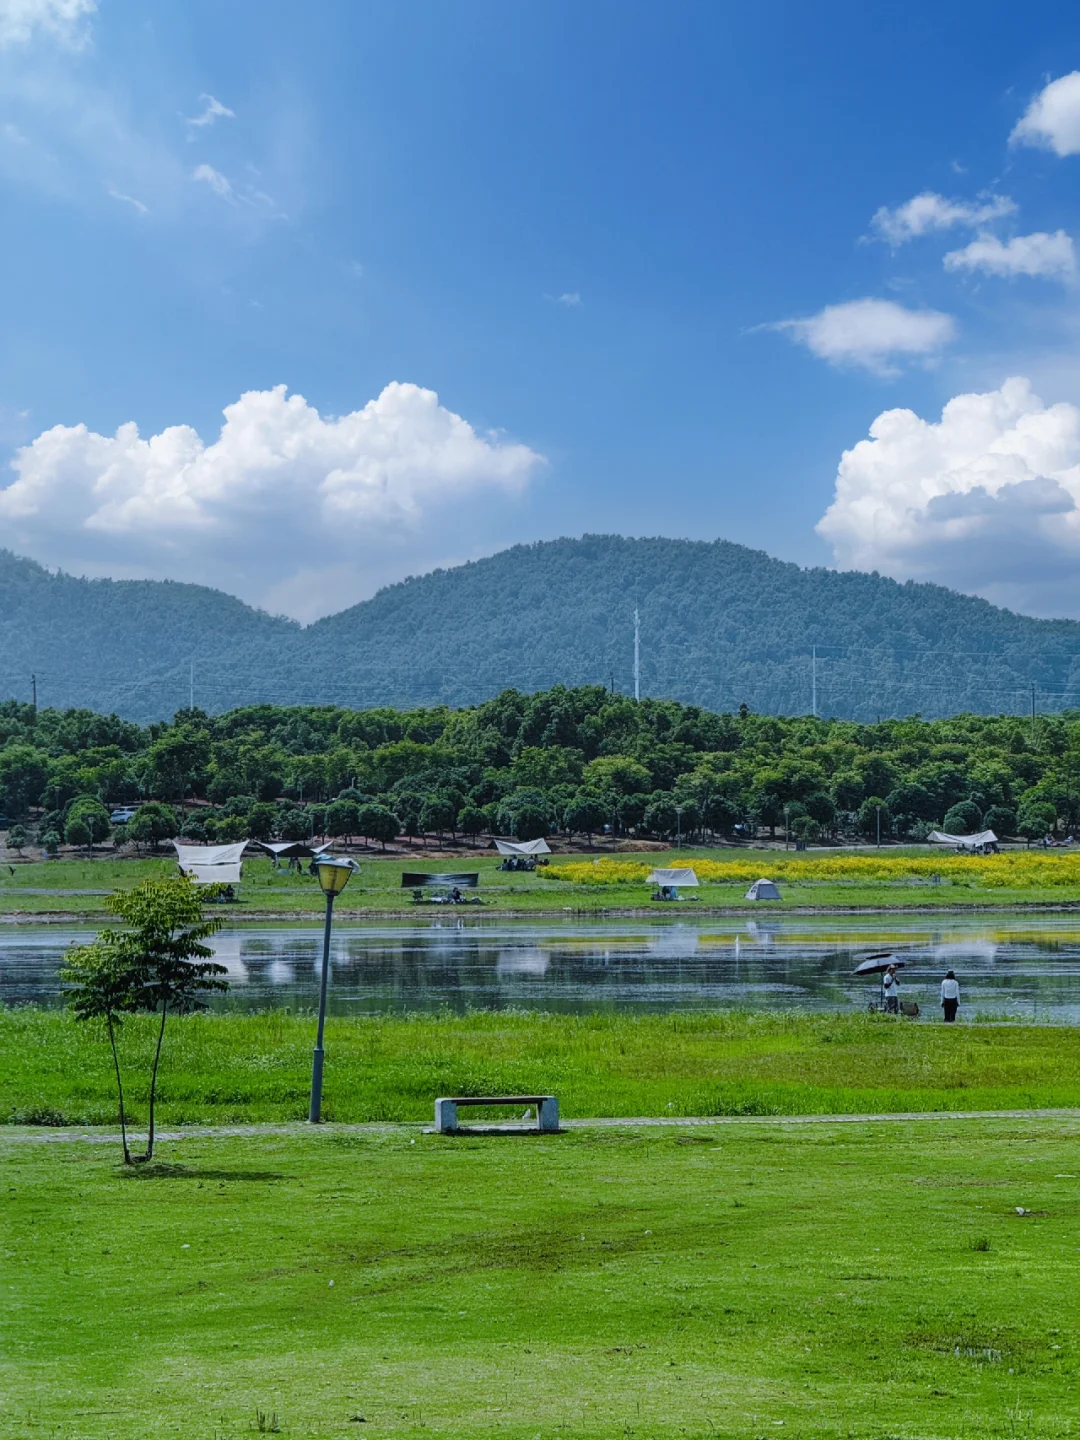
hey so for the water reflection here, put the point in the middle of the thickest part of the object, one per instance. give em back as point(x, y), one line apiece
point(1025, 967)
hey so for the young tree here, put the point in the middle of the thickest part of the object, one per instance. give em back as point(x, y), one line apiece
point(50, 842)
point(472, 821)
point(158, 965)
point(377, 822)
point(16, 839)
point(153, 823)
point(77, 832)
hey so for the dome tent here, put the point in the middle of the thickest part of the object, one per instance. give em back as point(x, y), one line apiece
point(763, 890)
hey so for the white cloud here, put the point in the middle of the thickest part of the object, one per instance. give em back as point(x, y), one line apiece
point(871, 333)
point(212, 111)
point(987, 499)
point(128, 200)
point(570, 298)
point(1052, 120)
point(283, 494)
point(218, 183)
point(928, 212)
point(1051, 257)
point(63, 20)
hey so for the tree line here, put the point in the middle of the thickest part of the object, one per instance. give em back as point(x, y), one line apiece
point(571, 761)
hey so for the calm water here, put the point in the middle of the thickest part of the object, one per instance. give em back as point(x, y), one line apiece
point(1028, 967)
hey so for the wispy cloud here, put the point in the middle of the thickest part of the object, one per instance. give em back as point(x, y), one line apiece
point(212, 111)
point(64, 21)
point(1047, 257)
point(871, 333)
point(929, 212)
point(217, 182)
point(127, 199)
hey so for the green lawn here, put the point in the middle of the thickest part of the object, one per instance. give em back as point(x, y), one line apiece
point(234, 1067)
point(852, 1281)
point(78, 888)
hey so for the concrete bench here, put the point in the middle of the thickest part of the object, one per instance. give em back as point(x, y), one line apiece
point(547, 1110)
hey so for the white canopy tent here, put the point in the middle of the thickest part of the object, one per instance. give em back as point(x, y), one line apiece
point(211, 864)
point(676, 878)
point(523, 847)
point(299, 849)
point(763, 890)
point(969, 842)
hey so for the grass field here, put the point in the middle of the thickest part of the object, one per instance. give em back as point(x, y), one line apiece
point(78, 887)
point(859, 1281)
point(235, 1067)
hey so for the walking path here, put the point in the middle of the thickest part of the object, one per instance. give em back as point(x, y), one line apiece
point(20, 1134)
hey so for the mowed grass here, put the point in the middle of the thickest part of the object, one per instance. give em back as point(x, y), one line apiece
point(79, 887)
point(233, 1067)
point(860, 1281)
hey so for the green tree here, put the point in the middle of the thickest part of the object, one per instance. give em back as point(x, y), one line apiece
point(585, 814)
point(1001, 820)
point(962, 819)
point(377, 822)
point(152, 823)
point(471, 821)
point(158, 965)
point(437, 815)
point(868, 819)
point(1036, 819)
point(24, 771)
point(90, 810)
point(16, 838)
point(342, 819)
point(262, 821)
point(50, 842)
point(77, 832)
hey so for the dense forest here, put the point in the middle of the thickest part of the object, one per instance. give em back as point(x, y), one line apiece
point(570, 761)
point(721, 626)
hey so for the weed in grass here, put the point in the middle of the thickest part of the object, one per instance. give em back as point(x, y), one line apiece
point(981, 1243)
point(267, 1422)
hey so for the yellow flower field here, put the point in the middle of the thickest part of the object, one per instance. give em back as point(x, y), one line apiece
point(1015, 871)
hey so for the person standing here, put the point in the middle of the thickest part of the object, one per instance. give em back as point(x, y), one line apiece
point(891, 987)
point(950, 997)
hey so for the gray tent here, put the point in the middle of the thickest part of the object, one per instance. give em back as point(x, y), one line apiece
point(763, 890)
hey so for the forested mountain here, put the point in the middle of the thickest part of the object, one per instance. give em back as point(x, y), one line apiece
point(721, 625)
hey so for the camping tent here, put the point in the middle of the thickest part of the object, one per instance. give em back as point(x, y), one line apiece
point(291, 849)
point(673, 877)
point(763, 890)
point(211, 864)
point(968, 842)
point(523, 847)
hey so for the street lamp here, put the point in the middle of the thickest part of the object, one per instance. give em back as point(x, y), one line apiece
point(333, 877)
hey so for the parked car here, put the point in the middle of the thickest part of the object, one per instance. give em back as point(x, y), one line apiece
point(122, 814)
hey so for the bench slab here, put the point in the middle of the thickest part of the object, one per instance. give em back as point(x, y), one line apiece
point(446, 1110)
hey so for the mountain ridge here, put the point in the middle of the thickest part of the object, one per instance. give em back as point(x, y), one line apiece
point(721, 624)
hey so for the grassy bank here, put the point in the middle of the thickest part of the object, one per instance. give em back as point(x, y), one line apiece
point(860, 1281)
point(893, 880)
point(235, 1067)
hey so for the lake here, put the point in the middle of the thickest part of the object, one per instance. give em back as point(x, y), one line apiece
point(1026, 967)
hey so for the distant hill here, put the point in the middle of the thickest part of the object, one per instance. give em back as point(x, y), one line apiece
point(721, 625)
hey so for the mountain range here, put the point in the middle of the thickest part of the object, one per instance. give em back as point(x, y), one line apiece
point(721, 625)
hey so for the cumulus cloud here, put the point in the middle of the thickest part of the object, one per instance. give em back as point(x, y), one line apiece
point(1049, 257)
point(986, 499)
point(63, 20)
point(926, 213)
point(1052, 120)
point(212, 111)
point(871, 333)
point(285, 502)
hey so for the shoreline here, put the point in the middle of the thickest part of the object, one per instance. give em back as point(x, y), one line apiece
point(614, 912)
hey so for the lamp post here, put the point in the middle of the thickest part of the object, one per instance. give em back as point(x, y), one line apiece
point(333, 877)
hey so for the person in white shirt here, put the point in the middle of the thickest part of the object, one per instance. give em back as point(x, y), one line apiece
point(950, 997)
point(891, 987)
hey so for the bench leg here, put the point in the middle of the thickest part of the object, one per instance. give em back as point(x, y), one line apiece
point(547, 1114)
point(445, 1117)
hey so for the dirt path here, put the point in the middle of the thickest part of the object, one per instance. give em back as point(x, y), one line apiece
point(34, 1135)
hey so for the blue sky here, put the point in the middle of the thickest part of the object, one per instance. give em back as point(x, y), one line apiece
point(631, 248)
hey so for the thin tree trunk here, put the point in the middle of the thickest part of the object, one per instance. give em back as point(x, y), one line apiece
point(119, 1091)
point(153, 1083)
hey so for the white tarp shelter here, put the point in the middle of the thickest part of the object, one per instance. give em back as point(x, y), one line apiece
point(523, 847)
point(677, 878)
point(763, 890)
point(292, 849)
point(984, 837)
point(211, 864)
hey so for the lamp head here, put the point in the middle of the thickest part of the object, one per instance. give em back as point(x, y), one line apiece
point(333, 874)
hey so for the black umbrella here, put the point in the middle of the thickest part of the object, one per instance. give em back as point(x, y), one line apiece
point(877, 964)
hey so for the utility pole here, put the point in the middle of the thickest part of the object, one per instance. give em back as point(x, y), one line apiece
point(191, 686)
point(33, 693)
point(878, 812)
point(813, 683)
point(637, 654)
point(1033, 714)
